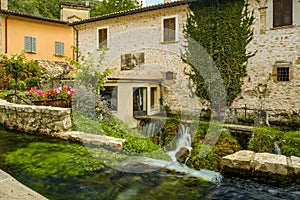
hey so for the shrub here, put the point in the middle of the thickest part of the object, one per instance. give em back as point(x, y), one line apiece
point(263, 139)
point(290, 143)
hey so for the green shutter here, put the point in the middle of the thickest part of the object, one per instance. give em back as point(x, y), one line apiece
point(59, 48)
point(33, 43)
point(29, 44)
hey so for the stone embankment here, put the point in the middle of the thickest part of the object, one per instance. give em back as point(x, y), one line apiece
point(10, 188)
point(52, 121)
point(267, 164)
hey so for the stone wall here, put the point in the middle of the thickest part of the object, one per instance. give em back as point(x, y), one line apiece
point(142, 33)
point(39, 119)
point(273, 46)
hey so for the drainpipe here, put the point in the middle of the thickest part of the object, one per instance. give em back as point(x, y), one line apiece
point(5, 40)
point(76, 45)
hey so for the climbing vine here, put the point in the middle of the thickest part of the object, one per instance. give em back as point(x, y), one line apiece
point(224, 29)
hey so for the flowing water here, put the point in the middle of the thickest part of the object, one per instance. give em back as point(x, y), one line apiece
point(52, 168)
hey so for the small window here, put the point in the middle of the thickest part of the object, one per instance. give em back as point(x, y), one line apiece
point(282, 12)
point(140, 101)
point(110, 94)
point(283, 74)
point(154, 99)
point(102, 38)
point(282, 71)
point(29, 44)
point(169, 29)
point(169, 75)
point(59, 48)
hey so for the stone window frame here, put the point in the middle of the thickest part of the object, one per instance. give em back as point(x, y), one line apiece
point(163, 29)
point(268, 15)
point(281, 65)
point(99, 45)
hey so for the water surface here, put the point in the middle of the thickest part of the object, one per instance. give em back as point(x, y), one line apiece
point(58, 169)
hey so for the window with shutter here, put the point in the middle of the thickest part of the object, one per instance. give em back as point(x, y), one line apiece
point(59, 48)
point(29, 44)
point(169, 30)
point(282, 12)
point(102, 38)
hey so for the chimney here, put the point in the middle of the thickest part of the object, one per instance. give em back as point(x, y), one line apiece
point(4, 5)
point(72, 12)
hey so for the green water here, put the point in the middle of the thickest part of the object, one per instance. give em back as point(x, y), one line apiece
point(59, 169)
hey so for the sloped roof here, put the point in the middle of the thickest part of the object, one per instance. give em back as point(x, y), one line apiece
point(9, 12)
point(133, 11)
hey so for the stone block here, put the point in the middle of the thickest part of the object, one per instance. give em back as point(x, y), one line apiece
point(238, 160)
point(295, 164)
point(270, 163)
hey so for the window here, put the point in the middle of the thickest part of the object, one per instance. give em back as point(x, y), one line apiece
point(59, 48)
point(110, 94)
point(283, 74)
point(29, 44)
point(282, 71)
point(140, 101)
point(102, 38)
point(153, 100)
point(282, 12)
point(169, 29)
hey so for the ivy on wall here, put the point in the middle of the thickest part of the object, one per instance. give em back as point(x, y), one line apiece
point(223, 28)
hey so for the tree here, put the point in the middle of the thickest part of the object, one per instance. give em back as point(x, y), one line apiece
point(111, 6)
point(51, 9)
point(224, 29)
point(18, 68)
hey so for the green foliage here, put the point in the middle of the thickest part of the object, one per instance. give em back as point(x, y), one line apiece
point(51, 9)
point(263, 139)
point(223, 29)
point(226, 145)
point(20, 71)
point(290, 143)
point(135, 141)
point(111, 6)
point(53, 160)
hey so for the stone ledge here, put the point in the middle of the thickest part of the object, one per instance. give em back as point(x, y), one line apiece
point(91, 139)
point(10, 188)
point(262, 164)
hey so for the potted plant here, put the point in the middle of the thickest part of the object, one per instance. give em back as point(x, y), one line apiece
point(59, 97)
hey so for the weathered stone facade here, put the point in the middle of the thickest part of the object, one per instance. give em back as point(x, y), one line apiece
point(142, 33)
point(39, 119)
point(274, 47)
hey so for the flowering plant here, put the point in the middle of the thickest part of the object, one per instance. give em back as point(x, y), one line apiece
point(64, 93)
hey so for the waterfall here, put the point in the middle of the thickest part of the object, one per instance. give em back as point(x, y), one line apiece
point(149, 129)
point(277, 148)
point(183, 139)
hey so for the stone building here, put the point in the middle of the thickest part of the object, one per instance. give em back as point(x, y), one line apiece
point(273, 81)
point(49, 41)
point(144, 47)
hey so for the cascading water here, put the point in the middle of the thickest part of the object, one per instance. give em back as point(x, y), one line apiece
point(277, 148)
point(183, 139)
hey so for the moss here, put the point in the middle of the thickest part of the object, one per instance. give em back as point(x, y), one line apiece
point(263, 139)
point(46, 159)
